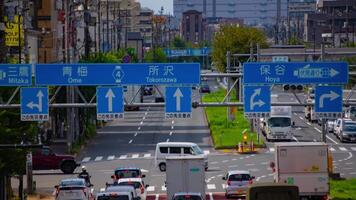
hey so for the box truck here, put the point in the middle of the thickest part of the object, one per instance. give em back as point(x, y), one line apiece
point(185, 174)
point(278, 126)
point(304, 164)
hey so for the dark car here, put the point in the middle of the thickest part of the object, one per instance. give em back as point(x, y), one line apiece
point(204, 88)
point(46, 159)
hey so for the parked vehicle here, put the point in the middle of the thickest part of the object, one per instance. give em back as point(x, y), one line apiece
point(127, 172)
point(114, 196)
point(346, 130)
point(279, 125)
point(304, 164)
point(73, 189)
point(185, 173)
point(121, 188)
point(165, 149)
point(187, 196)
point(46, 159)
point(137, 183)
point(237, 183)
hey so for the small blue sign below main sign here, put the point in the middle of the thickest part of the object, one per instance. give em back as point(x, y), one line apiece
point(15, 75)
point(296, 73)
point(109, 103)
point(178, 102)
point(34, 104)
point(328, 102)
point(257, 101)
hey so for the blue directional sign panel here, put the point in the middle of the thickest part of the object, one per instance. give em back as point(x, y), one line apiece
point(187, 52)
point(296, 73)
point(328, 102)
point(257, 101)
point(34, 104)
point(178, 102)
point(109, 103)
point(15, 75)
point(118, 74)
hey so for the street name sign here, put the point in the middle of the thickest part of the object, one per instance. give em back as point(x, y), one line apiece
point(109, 103)
point(328, 102)
point(280, 58)
point(15, 75)
point(296, 73)
point(257, 101)
point(178, 102)
point(118, 74)
point(187, 52)
point(34, 104)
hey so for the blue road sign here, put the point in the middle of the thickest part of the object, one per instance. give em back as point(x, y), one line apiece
point(328, 102)
point(178, 102)
point(118, 74)
point(187, 52)
point(34, 104)
point(109, 103)
point(257, 101)
point(296, 73)
point(15, 75)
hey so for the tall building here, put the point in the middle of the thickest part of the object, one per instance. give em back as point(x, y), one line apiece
point(144, 26)
point(192, 26)
point(297, 9)
point(252, 12)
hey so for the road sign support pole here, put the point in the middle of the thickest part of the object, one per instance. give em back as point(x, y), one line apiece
point(29, 173)
point(324, 130)
point(258, 52)
point(228, 68)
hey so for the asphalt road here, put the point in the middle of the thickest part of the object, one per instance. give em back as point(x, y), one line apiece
point(131, 143)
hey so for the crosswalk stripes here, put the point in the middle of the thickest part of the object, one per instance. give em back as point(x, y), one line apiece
point(271, 149)
point(135, 156)
point(150, 188)
point(206, 152)
point(353, 148)
point(331, 149)
point(210, 186)
point(123, 157)
point(163, 188)
point(111, 157)
point(98, 158)
point(342, 148)
point(86, 159)
point(223, 186)
point(147, 155)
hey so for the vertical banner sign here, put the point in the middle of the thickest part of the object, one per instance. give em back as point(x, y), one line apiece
point(12, 32)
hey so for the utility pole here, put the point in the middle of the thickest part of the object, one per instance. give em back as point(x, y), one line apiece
point(19, 28)
point(107, 23)
point(99, 26)
point(86, 29)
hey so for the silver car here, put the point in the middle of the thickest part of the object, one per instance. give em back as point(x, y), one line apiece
point(73, 189)
point(237, 183)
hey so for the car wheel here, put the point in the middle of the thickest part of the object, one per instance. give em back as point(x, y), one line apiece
point(162, 167)
point(68, 167)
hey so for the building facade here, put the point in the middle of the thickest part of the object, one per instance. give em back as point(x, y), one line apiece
point(297, 9)
point(192, 26)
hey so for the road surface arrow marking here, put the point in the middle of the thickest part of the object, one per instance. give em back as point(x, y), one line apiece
point(178, 95)
point(110, 95)
point(332, 96)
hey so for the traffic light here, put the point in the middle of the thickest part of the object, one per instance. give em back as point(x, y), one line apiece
point(293, 87)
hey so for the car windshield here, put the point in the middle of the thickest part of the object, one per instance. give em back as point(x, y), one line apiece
point(187, 197)
point(197, 150)
point(239, 177)
point(350, 127)
point(353, 110)
point(114, 197)
point(279, 122)
point(128, 173)
point(72, 182)
point(135, 184)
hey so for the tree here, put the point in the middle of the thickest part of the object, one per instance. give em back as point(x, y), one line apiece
point(236, 40)
point(155, 56)
point(178, 43)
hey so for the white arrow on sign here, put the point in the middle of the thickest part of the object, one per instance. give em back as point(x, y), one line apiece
point(253, 96)
point(110, 95)
point(32, 105)
point(332, 96)
point(178, 95)
point(333, 72)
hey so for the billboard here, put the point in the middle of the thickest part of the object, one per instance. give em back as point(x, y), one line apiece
point(12, 31)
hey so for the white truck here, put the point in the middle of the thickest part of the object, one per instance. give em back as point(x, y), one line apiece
point(278, 126)
point(185, 174)
point(133, 94)
point(304, 164)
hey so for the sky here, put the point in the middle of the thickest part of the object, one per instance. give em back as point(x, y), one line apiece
point(156, 5)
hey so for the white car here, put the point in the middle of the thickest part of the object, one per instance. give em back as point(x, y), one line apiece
point(330, 126)
point(72, 189)
point(338, 125)
point(137, 183)
point(237, 183)
point(114, 196)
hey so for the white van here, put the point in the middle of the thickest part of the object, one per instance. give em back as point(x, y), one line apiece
point(165, 149)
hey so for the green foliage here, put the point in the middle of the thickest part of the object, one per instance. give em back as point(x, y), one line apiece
point(343, 189)
point(155, 56)
point(236, 40)
point(178, 43)
point(294, 41)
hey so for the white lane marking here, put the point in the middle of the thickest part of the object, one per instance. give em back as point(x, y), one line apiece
point(225, 161)
point(111, 157)
point(342, 148)
point(123, 157)
point(349, 163)
point(220, 175)
point(254, 170)
point(298, 129)
point(172, 121)
point(146, 113)
point(163, 188)
point(214, 162)
point(331, 149)
point(101, 190)
point(86, 159)
point(232, 166)
point(206, 152)
point(135, 134)
point(234, 159)
point(130, 141)
point(135, 155)
point(294, 138)
point(223, 186)
point(264, 163)
point(172, 127)
point(309, 123)
point(353, 148)
point(352, 173)
point(167, 140)
point(141, 122)
point(250, 164)
point(139, 128)
point(317, 129)
point(143, 117)
point(211, 196)
point(170, 133)
point(300, 117)
point(98, 158)
point(348, 168)
point(314, 140)
point(211, 186)
point(271, 149)
point(150, 188)
point(157, 197)
point(350, 156)
point(295, 114)
point(331, 139)
point(147, 155)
